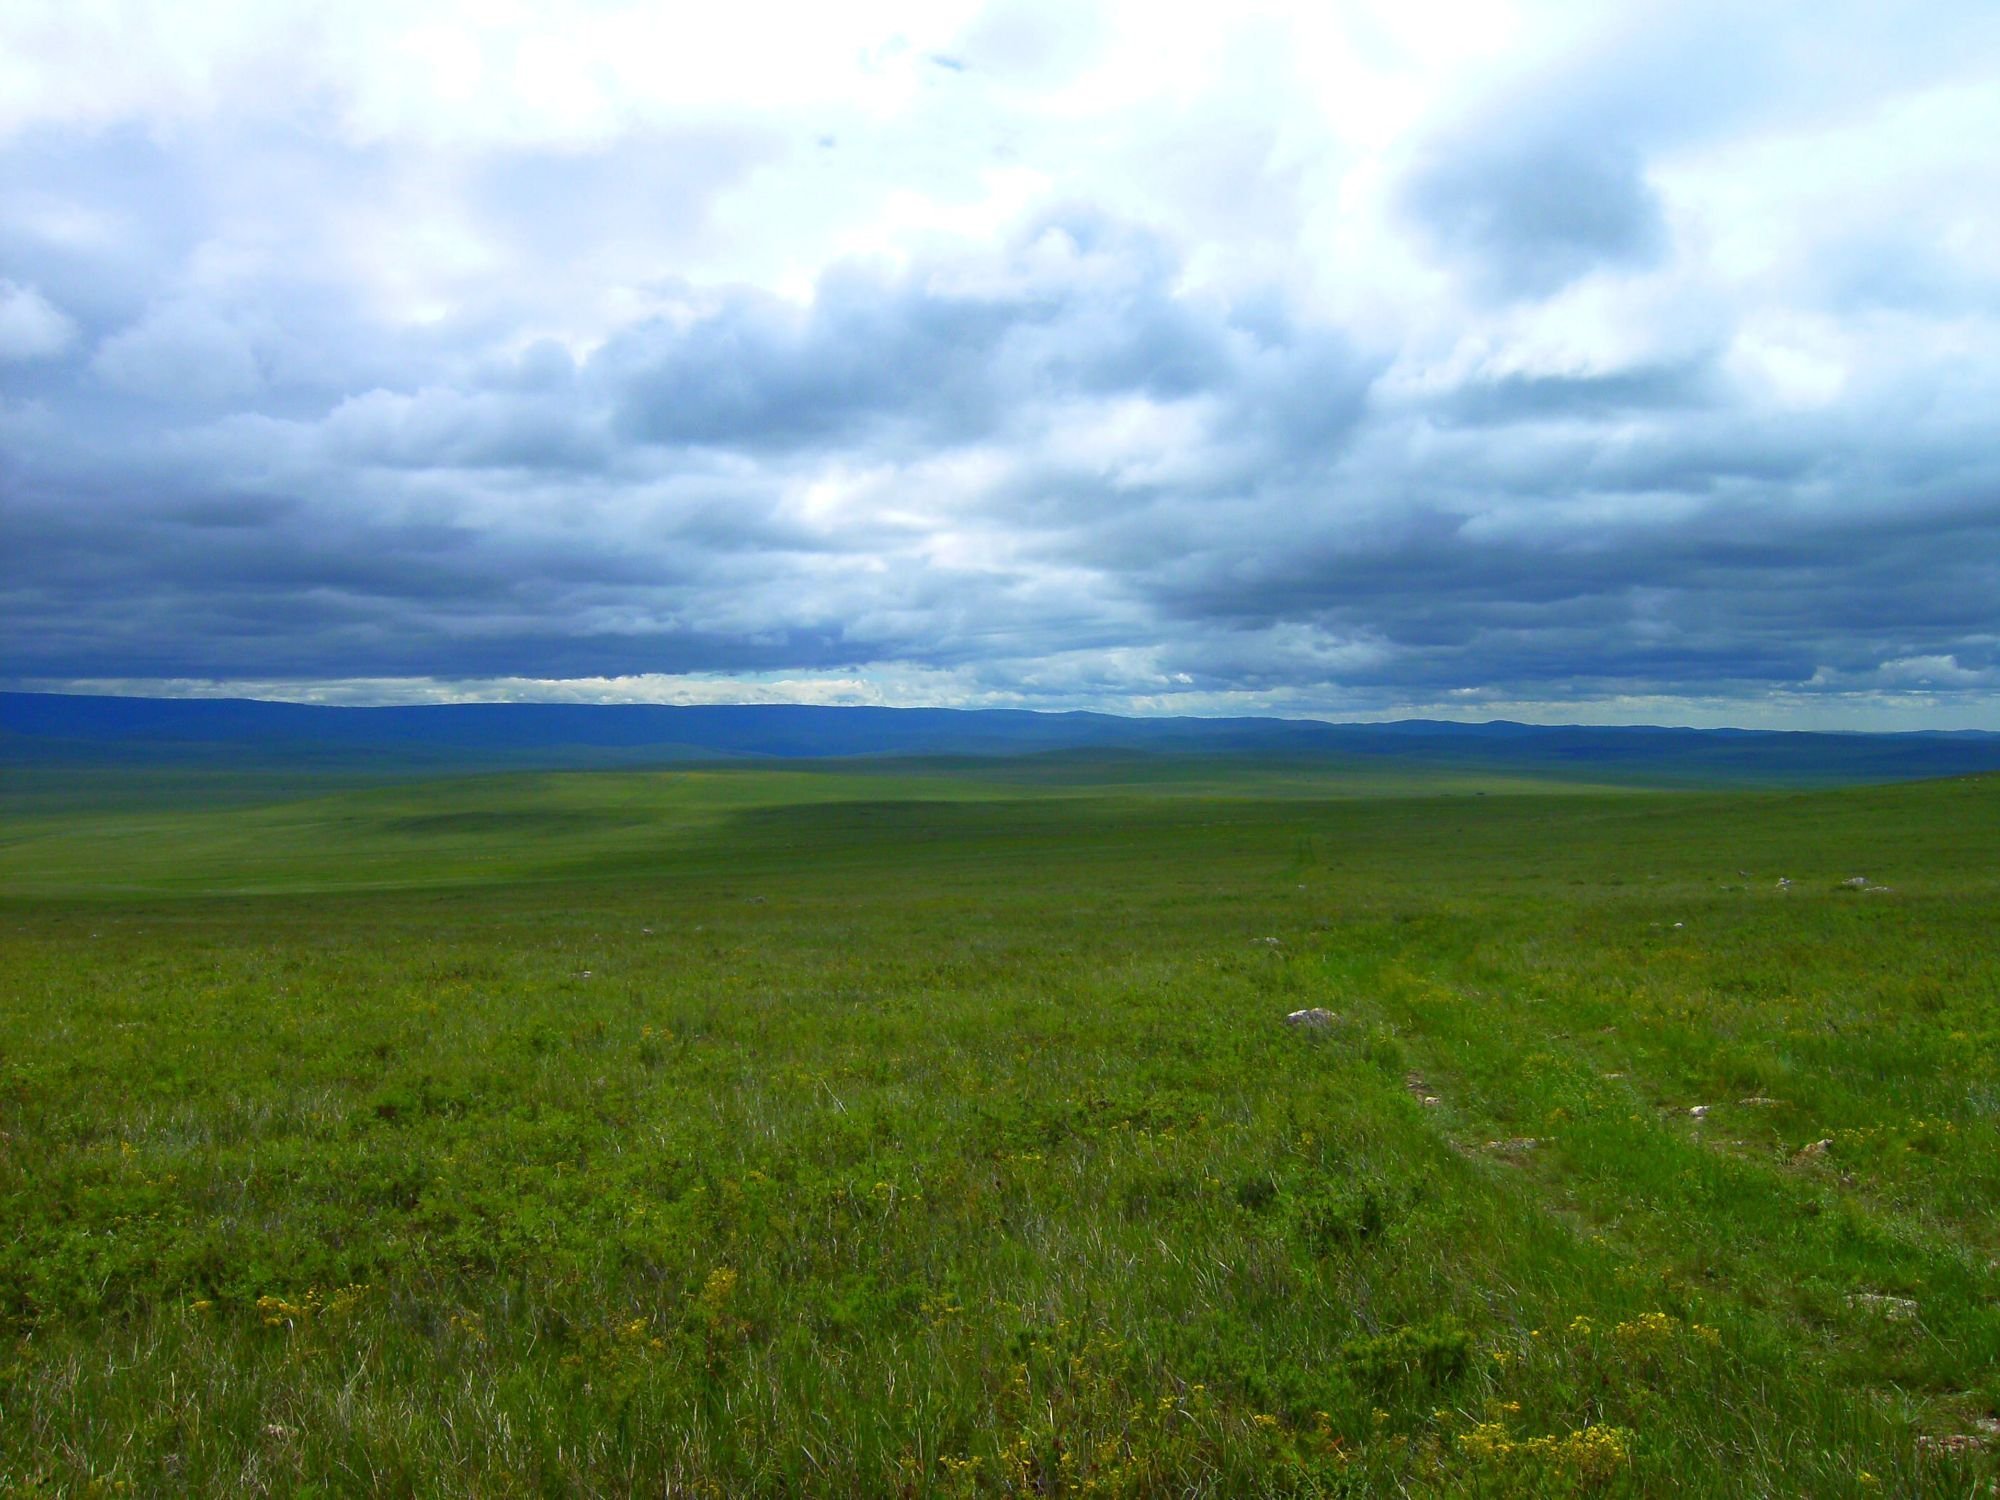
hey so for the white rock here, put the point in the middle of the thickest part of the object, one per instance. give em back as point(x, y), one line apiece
point(1951, 1444)
point(1316, 1017)
point(1895, 1309)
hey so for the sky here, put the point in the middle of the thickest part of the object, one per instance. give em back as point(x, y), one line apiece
point(1563, 362)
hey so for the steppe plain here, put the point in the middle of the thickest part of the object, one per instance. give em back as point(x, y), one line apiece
point(937, 1129)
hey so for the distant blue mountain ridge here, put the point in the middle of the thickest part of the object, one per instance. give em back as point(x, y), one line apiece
point(64, 729)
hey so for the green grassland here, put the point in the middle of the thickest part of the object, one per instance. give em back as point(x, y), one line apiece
point(936, 1130)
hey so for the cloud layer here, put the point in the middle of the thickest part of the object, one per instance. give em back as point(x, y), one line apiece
point(1345, 361)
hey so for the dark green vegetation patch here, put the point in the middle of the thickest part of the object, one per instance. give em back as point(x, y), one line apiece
point(746, 1133)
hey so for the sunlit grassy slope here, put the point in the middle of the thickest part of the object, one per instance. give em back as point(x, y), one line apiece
point(937, 1130)
point(181, 832)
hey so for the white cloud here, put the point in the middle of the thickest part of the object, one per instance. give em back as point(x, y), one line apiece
point(30, 326)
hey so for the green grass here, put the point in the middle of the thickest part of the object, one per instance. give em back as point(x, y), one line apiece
point(936, 1130)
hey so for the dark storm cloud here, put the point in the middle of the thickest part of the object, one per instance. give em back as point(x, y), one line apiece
point(898, 356)
point(1532, 216)
point(1528, 398)
point(1720, 598)
point(261, 585)
point(437, 428)
point(758, 372)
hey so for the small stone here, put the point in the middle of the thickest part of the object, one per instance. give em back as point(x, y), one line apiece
point(1856, 882)
point(1698, 1111)
point(1316, 1018)
point(1431, 1101)
point(1614, 1076)
point(1951, 1443)
point(1267, 942)
point(1895, 1309)
point(1988, 1425)
point(1520, 1145)
point(1784, 882)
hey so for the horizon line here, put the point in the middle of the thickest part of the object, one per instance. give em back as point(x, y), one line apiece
point(981, 709)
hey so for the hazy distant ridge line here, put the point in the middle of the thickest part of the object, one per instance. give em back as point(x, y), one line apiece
point(53, 728)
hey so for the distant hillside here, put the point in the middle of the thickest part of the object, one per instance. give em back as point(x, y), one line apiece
point(51, 730)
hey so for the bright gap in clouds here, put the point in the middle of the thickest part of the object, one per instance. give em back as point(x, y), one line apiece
point(1348, 361)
